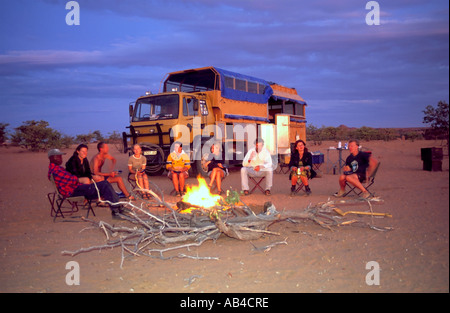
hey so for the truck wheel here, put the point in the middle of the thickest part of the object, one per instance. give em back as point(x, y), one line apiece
point(155, 159)
point(200, 170)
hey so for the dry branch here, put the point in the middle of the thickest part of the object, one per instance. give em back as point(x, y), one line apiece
point(183, 231)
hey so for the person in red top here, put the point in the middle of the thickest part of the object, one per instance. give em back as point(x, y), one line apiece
point(71, 186)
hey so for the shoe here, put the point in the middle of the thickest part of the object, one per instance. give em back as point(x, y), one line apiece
point(267, 192)
point(365, 195)
point(246, 193)
point(339, 194)
point(307, 191)
point(120, 194)
point(293, 191)
point(115, 214)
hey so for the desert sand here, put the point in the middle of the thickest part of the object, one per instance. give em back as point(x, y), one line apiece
point(413, 257)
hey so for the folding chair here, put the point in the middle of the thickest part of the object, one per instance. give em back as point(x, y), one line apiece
point(57, 200)
point(132, 180)
point(300, 186)
point(367, 184)
point(257, 183)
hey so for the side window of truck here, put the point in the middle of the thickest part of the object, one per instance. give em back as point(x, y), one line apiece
point(188, 107)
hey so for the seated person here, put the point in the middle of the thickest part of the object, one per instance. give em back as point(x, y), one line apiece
point(71, 186)
point(216, 170)
point(178, 164)
point(78, 163)
point(136, 166)
point(357, 166)
point(257, 163)
point(301, 167)
point(97, 163)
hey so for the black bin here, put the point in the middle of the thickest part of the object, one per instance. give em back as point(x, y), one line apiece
point(432, 159)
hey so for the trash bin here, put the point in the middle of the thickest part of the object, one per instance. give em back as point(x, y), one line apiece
point(432, 159)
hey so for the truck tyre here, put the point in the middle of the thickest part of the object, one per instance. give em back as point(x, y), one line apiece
point(199, 170)
point(155, 159)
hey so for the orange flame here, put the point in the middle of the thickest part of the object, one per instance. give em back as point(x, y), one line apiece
point(200, 195)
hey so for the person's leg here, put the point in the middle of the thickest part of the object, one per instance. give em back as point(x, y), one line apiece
point(175, 181)
point(119, 181)
point(219, 176)
point(244, 178)
point(105, 190)
point(269, 178)
point(342, 180)
point(354, 180)
point(212, 177)
point(304, 180)
point(181, 178)
point(145, 179)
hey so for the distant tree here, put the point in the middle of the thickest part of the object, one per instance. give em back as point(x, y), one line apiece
point(94, 136)
point(36, 136)
point(3, 133)
point(97, 136)
point(313, 134)
point(438, 119)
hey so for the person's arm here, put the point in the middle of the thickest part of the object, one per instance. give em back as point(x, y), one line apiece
point(113, 161)
point(372, 165)
point(169, 165)
point(144, 162)
point(248, 158)
point(97, 169)
point(308, 162)
point(267, 165)
point(187, 162)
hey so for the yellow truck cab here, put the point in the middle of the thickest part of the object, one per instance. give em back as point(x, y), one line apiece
point(205, 105)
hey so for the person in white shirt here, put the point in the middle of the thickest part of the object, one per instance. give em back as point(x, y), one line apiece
point(257, 163)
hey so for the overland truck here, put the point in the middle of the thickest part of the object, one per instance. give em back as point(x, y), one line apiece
point(202, 105)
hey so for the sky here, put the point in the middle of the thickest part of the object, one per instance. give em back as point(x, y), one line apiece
point(81, 78)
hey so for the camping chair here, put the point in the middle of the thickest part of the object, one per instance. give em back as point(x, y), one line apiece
point(300, 186)
point(257, 183)
point(367, 183)
point(57, 200)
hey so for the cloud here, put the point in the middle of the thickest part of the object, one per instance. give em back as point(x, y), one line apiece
point(322, 48)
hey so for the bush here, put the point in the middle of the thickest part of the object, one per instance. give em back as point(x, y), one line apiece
point(3, 132)
point(37, 136)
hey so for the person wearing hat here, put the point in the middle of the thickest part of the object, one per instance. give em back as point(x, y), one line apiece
point(71, 186)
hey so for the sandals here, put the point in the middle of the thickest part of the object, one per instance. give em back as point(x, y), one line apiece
point(267, 192)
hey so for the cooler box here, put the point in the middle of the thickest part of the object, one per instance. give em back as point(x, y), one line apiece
point(318, 158)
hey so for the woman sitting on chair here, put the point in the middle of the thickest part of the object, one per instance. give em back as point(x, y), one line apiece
point(78, 164)
point(216, 170)
point(178, 164)
point(301, 167)
point(136, 166)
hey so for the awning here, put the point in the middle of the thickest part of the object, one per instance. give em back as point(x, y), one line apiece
point(282, 95)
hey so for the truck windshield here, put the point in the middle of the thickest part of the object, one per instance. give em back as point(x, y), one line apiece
point(156, 108)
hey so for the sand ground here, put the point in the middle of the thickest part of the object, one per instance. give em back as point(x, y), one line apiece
point(414, 257)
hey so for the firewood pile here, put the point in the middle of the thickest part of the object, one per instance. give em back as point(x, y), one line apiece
point(184, 225)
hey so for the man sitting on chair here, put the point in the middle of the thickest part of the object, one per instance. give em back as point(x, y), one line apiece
point(113, 177)
point(357, 166)
point(257, 163)
point(71, 186)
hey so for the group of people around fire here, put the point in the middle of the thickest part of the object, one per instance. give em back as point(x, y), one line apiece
point(83, 178)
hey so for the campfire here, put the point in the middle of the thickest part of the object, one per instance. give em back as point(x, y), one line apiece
point(199, 197)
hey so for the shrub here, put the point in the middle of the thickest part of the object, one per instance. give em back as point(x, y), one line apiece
point(36, 136)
